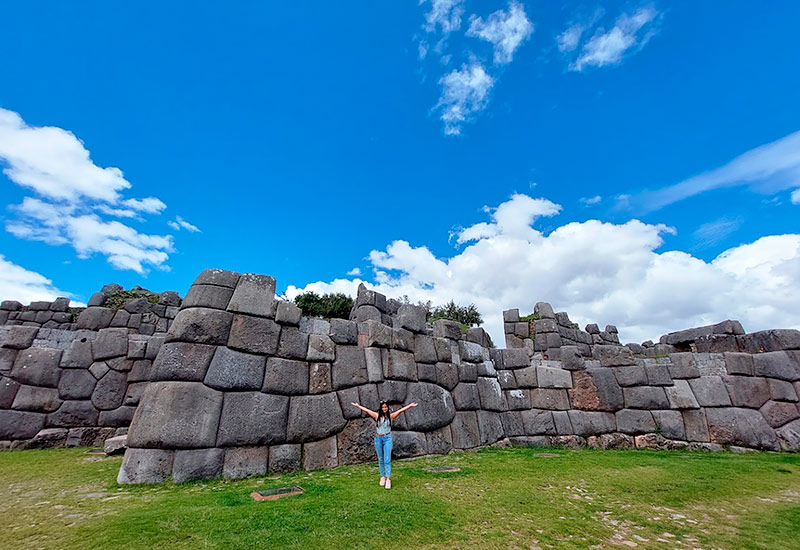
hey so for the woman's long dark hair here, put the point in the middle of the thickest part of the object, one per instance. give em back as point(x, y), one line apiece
point(387, 415)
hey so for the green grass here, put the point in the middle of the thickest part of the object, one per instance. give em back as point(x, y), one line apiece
point(502, 498)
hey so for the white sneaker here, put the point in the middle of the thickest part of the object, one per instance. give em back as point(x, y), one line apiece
point(383, 481)
point(388, 483)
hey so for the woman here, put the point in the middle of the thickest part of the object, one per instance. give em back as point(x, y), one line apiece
point(383, 439)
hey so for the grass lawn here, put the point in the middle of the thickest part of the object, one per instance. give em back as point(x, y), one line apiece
point(502, 498)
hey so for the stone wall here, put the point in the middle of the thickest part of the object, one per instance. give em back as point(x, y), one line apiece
point(244, 385)
point(68, 381)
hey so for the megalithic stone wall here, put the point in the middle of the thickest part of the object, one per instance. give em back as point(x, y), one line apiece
point(244, 385)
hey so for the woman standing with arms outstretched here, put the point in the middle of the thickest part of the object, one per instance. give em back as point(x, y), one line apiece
point(383, 438)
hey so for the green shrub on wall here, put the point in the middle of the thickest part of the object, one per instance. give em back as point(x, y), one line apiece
point(466, 315)
point(328, 306)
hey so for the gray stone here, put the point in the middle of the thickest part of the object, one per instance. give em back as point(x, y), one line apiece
point(426, 372)
point(320, 454)
point(118, 417)
point(7, 358)
point(321, 348)
point(658, 375)
point(400, 365)
point(293, 344)
point(553, 399)
point(470, 352)
point(424, 350)
point(368, 313)
point(538, 422)
point(408, 444)
point(393, 391)
point(439, 441)
point(141, 371)
point(95, 318)
point(512, 423)
point(746, 391)
point(216, 297)
point(242, 462)
point(684, 365)
point(465, 430)
point(526, 378)
point(344, 332)
point(234, 370)
point(252, 418)
point(490, 427)
point(780, 390)
point(646, 397)
point(8, 391)
point(134, 393)
point(154, 344)
point(315, 326)
point(789, 436)
point(511, 316)
point(596, 389)
point(170, 298)
point(182, 361)
point(136, 349)
point(73, 414)
point(355, 442)
point(514, 358)
point(668, 423)
point(696, 425)
point(592, 423)
point(553, 378)
point(680, 396)
point(403, 339)
point(176, 414)
point(20, 424)
point(346, 397)
point(218, 277)
point(541, 326)
point(78, 355)
point(507, 380)
point(319, 379)
point(145, 466)
point(771, 340)
point(255, 295)
point(562, 423)
point(739, 363)
point(613, 356)
point(411, 317)
point(284, 458)
point(314, 417)
point(288, 314)
point(632, 421)
point(37, 367)
point(486, 368)
point(436, 408)
point(286, 376)
point(467, 372)
point(710, 391)
point(491, 395)
point(120, 364)
point(201, 326)
point(543, 310)
point(193, 464)
point(350, 367)
point(447, 375)
point(444, 351)
point(115, 445)
point(778, 364)
point(744, 427)
point(631, 376)
point(445, 328)
point(374, 359)
point(373, 333)
point(36, 399)
point(254, 334)
point(465, 397)
point(778, 413)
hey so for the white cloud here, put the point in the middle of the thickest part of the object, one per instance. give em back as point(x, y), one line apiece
point(795, 197)
point(464, 92)
point(506, 30)
point(766, 169)
point(355, 272)
point(179, 223)
point(713, 232)
point(570, 38)
point(597, 271)
point(588, 201)
point(444, 14)
point(22, 285)
point(74, 193)
point(629, 33)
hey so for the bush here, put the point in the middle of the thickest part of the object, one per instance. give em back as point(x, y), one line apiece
point(328, 306)
point(466, 315)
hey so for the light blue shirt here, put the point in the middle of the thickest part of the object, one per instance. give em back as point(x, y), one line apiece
point(384, 427)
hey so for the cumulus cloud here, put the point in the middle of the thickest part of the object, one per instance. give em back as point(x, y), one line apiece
point(505, 30)
point(23, 285)
point(444, 15)
point(597, 271)
point(74, 192)
point(465, 92)
point(766, 169)
point(179, 223)
point(607, 47)
point(355, 272)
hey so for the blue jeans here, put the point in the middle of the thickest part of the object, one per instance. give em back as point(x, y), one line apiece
point(383, 446)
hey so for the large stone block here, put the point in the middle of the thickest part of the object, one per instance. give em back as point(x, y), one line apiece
point(548, 377)
point(669, 424)
point(37, 367)
point(771, 340)
point(465, 431)
point(445, 328)
point(350, 367)
point(710, 391)
point(526, 377)
point(778, 364)
point(680, 396)
point(777, 413)
point(193, 464)
point(586, 423)
point(739, 363)
point(411, 317)
point(658, 375)
point(684, 365)
point(8, 391)
point(110, 342)
point(293, 344)
point(117, 418)
point(538, 422)
point(491, 395)
point(254, 334)
point(400, 365)
point(789, 436)
point(393, 391)
point(109, 392)
point(743, 427)
point(780, 390)
point(314, 417)
point(321, 348)
point(287, 313)
point(465, 397)
point(7, 358)
point(285, 458)
point(235, 370)
point(145, 466)
point(631, 376)
point(356, 442)
point(95, 318)
point(512, 423)
point(490, 427)
point(254, 294)
point(596, 389)
point(201, 326)
point(471, 352)
point(424, 350)
point(344, 332)
point(467, 372)
point(252, 418)
point(73, 414)
point(696, 425)
point(518, 399)
point(78, 355)
point(632, 421)
point(212, 296)
point(20, 424)
point(746, 391)
point(242, 462)
point(553, 399)
point(286, 376)
point(408, 444)
point(374, 359)
point(36, 399)
point(182, 361)
point(613, 356)
point(436, 408)
point(176, 414)
point(218, 277)
point(646, 397)
point(446, 375)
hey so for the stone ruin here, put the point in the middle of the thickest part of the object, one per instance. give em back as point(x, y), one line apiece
point(233, 382)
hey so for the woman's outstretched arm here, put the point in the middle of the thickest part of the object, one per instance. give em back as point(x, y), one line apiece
point(373, 414)
point(398, 412)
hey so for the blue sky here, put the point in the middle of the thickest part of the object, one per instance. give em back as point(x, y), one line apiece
point(632, 163)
